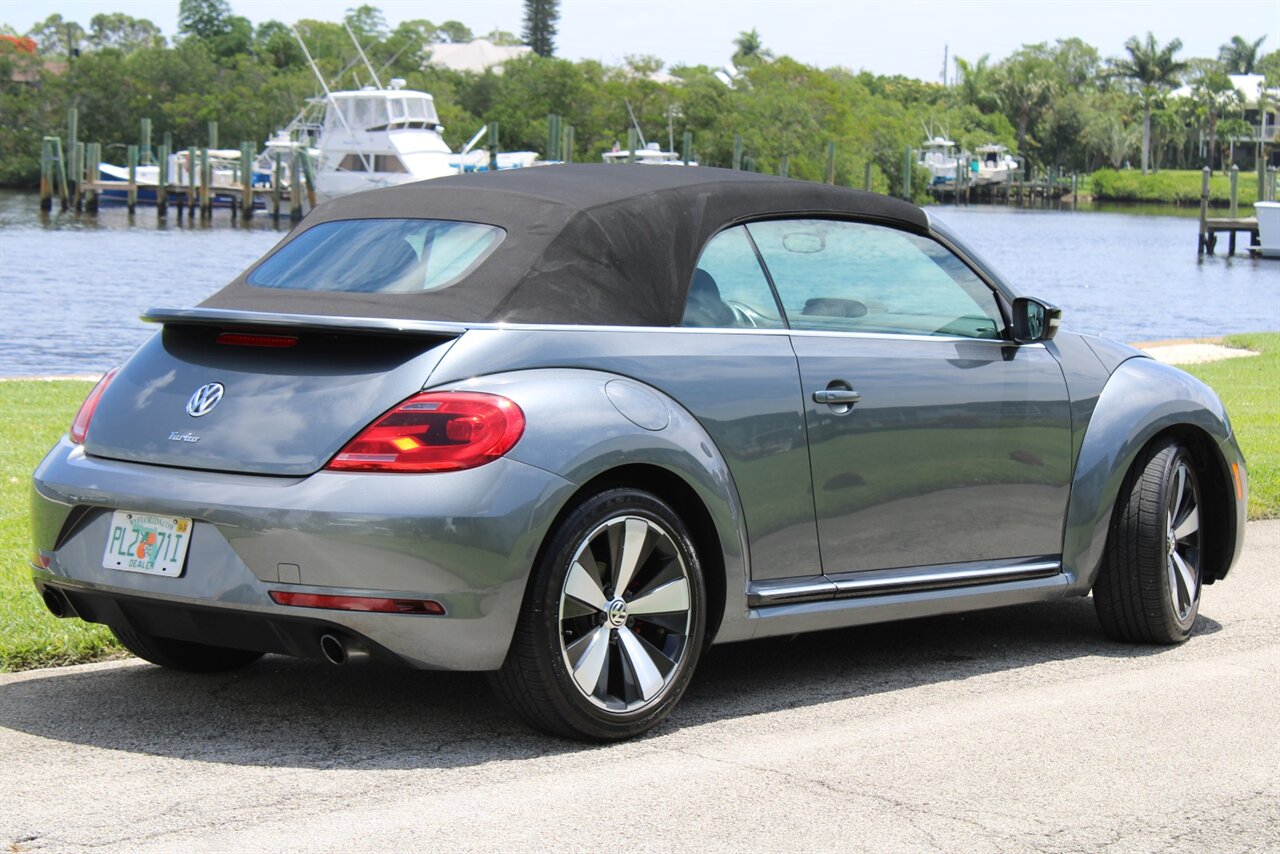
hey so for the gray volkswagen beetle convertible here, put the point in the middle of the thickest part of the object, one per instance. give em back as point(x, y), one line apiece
point(572, 424)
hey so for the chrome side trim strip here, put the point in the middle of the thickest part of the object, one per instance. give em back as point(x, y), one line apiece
point(882, 582)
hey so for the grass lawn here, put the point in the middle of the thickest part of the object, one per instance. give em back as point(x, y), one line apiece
point(33, 414)
point(1251, 390)
point(1173, 186)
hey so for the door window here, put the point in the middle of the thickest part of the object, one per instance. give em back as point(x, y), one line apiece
point(857, 277)
point(729, 289)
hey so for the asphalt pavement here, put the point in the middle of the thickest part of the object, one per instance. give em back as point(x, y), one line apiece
point(1009, 730)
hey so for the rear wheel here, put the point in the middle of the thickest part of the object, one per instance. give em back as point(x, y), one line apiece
point(612, 622)
point(1148, 590)
point(183, 655)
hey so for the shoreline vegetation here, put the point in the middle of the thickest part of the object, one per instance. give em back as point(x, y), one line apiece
point(1062, 106)
point(1171, 187)
point(35, 412)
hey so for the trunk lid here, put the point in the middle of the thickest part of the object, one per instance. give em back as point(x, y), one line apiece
point(282, 408)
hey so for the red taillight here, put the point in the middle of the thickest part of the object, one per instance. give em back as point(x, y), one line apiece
point(80, 424)
point(435, 431)
point(376, 604)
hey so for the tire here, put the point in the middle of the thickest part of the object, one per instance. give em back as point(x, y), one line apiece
point(183, 655)
point(595, 663)
point(1148, 589)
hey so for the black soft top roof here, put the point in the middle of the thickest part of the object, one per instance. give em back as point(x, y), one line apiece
point(585, 244)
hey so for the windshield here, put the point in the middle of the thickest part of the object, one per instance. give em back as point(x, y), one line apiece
point(378, 256)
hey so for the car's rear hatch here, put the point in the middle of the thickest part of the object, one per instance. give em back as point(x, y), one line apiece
point(294, 388)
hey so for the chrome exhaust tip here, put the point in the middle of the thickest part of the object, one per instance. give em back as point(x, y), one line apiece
point(338, 652)
point(56, 602)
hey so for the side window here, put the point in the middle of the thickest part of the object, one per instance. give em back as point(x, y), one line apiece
point(729, 288)
point(856, 277)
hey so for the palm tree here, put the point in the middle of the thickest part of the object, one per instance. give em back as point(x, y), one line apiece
point(1239, 56)
point(1155, 70)
point(750, 48)
point(975, 83)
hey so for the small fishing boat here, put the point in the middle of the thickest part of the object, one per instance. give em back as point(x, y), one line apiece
point(995, 164)
point(652, 153)
point(938, 156)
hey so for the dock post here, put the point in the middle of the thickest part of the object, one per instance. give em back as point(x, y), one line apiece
point(493, 146)
point(46, 175)
point(568, 144)
point(133, 179)
point(93, 155)
point(213, 133)
point(1271, 183)
point(906, 174)
point(1075, 196)
point(144, 139)
point(1235, 191)
point(686, 147)
point(246, 179)
point(784, 165)
point(866, 176)
point(632, 142)
point(1204, 214)
point(276, 178)
point(73, 151)
point(737, 151)
point(206, 194)
point(553, 136)
point(958, 167)
point(77, 170)
point(162, 181)
point(831, 162)
point(191, 182)
point(309, 175)
point(295, 186)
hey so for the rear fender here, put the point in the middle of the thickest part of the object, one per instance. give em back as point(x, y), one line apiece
point(1142, 399)
point(582, 424)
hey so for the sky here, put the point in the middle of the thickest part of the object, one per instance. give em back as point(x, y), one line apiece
point(905, 37)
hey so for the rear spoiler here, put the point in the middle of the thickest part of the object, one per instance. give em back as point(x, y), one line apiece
point(260, 319)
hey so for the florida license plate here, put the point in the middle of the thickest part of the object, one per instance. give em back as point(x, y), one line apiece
point(147, 542)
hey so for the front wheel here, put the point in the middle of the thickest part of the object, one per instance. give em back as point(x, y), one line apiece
point(612, 622)
point(1148, 590)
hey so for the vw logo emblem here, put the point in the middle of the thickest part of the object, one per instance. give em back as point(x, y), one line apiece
point(617, 613)
point(205, 399)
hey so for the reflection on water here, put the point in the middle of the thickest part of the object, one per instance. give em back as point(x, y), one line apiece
point(1132, 277)
point(71, 287)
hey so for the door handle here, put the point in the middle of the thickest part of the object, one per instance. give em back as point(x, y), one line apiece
point(836, 396)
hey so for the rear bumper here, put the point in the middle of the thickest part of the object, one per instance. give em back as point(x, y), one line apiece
point(464, 539)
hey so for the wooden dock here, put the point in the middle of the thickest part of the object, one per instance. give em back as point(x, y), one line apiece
point(1214, 225)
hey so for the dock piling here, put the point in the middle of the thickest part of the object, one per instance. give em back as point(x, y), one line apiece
point(784, 165)
point(737, 151)
point(77, 170)
point(686, 147)
point(831, 162)
point(309, 175)
point(866, 176)
point(493, 146)
point(73, 142)
point(162, 182)
point(1235, 190)
point(133, 179)
point(46, 175)
point(1203, 243)
point(246, 179)
point(906, 174)
point(93, 157)
point(275, 185)
point(144, 140)
point(206, 182)
point(295, 186)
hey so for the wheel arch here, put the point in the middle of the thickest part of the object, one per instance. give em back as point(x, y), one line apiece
point(1143, 402)
point(594, 445)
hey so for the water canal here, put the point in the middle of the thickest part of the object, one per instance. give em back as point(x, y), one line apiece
point(71, 287)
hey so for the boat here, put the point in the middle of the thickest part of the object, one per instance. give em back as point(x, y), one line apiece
point(652, 153)
point(224, 177)
point(939, 158)
point(995, 164)
point(1268, 214)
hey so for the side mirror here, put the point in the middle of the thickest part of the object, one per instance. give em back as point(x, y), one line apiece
point(1034, 320)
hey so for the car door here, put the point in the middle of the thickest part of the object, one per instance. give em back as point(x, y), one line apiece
point(933, 440)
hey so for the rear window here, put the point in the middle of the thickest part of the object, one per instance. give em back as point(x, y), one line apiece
point(378, 256)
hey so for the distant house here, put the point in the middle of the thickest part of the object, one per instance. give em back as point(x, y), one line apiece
point(476, 56)
point(28, 66)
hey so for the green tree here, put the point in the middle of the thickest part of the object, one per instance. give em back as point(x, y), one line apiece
point(975, 83)
point(56, 37)
point(1024, 84)
point(368, 22)
point(750, 49)
point(454, 32)
point(1239, 56)
point(1155, 70)
point(540, 18)
point(120, 31)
